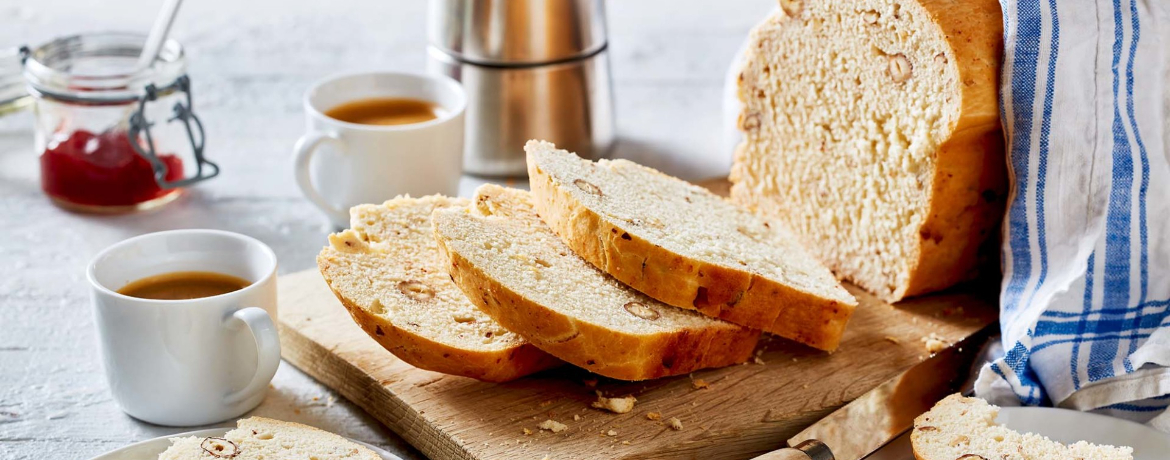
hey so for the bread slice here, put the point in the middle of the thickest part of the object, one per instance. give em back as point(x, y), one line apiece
point(685, 246)
point(514, 268)
point(872, 129)
point(959, 428)
point(259, 438)
point(388, 273)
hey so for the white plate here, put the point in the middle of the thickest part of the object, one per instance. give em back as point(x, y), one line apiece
point(1062, 425)
point(149, 450)
point(1069, 426)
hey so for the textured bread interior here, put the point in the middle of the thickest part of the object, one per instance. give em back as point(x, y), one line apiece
point(259, 438)
point(506, 239)
point(845, 106)
point(687, 220)
point(389, 265)
point(958, 427)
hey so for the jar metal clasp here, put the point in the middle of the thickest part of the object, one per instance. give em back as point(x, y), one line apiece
point(204, 168)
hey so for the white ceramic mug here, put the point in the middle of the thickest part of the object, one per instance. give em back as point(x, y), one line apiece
point(187, 362)
point(340, 164)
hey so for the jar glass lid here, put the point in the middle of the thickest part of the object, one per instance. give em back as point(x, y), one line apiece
point(100, 67)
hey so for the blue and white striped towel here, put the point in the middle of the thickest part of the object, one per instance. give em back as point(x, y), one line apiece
point(1085, 303)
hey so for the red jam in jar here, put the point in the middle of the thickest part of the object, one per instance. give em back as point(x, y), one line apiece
point(102, 170)
point(101, 120)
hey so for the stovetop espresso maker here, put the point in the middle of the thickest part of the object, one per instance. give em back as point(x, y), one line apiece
point(532, 69)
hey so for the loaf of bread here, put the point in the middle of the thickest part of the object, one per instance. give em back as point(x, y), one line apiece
point(685, 246)
point(959, 428)
point(259, 438)
point(388, 273)
point(871, 128)
point(517, 270)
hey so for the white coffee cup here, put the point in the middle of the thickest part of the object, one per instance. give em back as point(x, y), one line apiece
point(340, 164)
point(187, 362)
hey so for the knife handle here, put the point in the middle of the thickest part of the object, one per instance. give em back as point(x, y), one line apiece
point(808, 450)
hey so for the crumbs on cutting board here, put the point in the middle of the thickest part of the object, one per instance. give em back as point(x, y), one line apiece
point(935, 343)
point(553, 426)
point(620, 405)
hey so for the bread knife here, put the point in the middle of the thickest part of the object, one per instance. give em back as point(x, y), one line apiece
point(886, 412)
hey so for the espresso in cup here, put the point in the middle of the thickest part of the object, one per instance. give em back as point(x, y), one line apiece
point(177, 349)
point(183, 286)
point(385, 111)
point(374, 136)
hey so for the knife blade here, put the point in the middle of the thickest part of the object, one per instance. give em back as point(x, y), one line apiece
point(881, 415)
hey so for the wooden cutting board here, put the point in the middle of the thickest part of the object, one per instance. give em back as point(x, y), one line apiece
point(743, 411)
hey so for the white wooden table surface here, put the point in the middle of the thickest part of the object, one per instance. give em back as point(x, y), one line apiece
point(250, 62)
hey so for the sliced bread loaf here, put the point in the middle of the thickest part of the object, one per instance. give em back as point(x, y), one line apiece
point(959, 428)
point(388, 273)
point(259, 438)
point(514, 268)
point(685, 246)
point(871, 127)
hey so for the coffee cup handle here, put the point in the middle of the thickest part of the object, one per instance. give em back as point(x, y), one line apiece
point(305, 148)
point(263, 329)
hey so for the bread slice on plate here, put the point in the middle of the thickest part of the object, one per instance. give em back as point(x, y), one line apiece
point(259, 438)
point(389, 274)
point(685, 246)
point(514, 268)
point(959, 428)
point(872, 128)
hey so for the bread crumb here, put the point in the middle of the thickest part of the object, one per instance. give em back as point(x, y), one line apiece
point(653, 416)
point(616, 405)
point(553, 426)
point(527, 432)
point(699, 384)
point(576, 417)
point(757, 360)
point(625, 443)
point(591, 383)
point(934, 343)
point(891, 339)
point(675, 424)
point(805, 386)
point(545, 403)
point(611, 433)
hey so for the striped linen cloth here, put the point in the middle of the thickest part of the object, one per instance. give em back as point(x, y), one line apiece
point(1085, 302)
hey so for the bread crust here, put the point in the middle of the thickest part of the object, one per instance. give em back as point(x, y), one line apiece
point(595, 348)
point(421, 352)
point(970, 181)
point(731, 294)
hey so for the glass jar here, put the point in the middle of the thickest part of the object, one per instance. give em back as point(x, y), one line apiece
point(105, 145)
